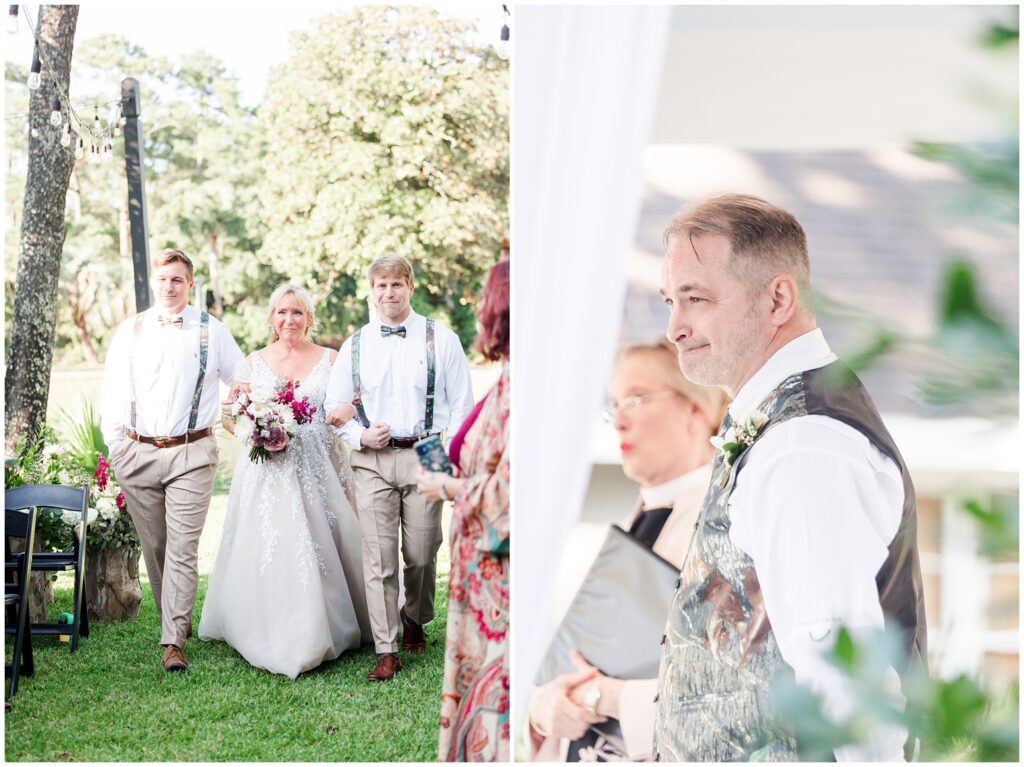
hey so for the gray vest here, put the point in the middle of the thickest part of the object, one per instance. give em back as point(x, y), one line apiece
point(719, 653)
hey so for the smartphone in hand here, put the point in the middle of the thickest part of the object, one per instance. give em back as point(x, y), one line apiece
point(433, 457)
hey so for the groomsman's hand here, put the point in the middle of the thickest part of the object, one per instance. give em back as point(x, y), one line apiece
point(341, 415)
point(376, 435)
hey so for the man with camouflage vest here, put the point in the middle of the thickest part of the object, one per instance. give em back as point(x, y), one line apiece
point(810, 521)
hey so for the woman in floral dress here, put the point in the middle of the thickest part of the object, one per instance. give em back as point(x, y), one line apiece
point(475, 695)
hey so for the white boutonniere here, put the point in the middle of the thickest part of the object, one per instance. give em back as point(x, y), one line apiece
point(746, 425)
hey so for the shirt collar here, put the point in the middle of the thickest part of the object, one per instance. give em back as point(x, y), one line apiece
point(667, 493)
point(186, 313)
point(408, 322)
point(807, 352)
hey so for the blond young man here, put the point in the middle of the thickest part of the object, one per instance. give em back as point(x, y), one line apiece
point(408, 378)
point(158, 405)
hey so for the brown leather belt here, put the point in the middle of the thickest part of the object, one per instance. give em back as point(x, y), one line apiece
point(170, 441)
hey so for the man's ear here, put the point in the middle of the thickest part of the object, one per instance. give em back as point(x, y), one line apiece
point(785, 298)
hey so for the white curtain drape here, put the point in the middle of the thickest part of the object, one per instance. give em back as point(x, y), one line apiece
point(585, 81)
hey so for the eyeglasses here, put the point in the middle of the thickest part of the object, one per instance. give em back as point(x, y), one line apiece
point(631, 403)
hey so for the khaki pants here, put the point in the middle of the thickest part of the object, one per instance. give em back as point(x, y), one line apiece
point(386, 500)
point(168, 493)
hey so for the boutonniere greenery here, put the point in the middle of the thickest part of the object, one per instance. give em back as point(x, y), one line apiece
point(746, 426)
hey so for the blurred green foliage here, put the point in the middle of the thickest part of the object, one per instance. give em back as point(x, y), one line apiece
point(954, 720)
point(386, 129)
point(977, 352)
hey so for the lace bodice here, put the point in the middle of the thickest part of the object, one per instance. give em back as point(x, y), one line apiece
point(313, 388)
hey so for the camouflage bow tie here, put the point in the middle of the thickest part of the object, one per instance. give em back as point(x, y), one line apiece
point(398, 330)
point(165, 321)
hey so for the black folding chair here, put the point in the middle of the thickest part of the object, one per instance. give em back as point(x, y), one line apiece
point(17, 567)
point(69, 499)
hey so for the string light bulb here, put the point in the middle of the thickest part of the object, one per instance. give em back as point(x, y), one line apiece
point(55, 115)
point(502, 49)
point(80, 149)
point(97, 129)
point(65, 137)
point(34, 132)
point(12, 19)
point(35, 77)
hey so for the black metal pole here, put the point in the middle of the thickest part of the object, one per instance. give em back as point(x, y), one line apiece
point(131, 106)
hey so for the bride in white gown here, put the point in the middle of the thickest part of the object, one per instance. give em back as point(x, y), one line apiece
point(286, 590)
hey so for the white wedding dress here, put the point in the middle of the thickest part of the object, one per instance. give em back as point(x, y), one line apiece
point(286, 590)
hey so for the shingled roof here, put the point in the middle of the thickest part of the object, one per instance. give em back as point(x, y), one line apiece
point(881, 228)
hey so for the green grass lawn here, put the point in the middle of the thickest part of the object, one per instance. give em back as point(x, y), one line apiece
point(112, 700)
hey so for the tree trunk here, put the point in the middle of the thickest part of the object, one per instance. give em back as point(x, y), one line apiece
point(42, 236)
point(112, 588)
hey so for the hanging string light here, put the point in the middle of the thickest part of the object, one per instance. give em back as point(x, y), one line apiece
point(55, 115)
point(80, 149)
point(502, 49)
point(65, 136)
point(12, 19)
point(35, 79)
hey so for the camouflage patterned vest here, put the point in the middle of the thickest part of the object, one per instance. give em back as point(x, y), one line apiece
point(719, 652)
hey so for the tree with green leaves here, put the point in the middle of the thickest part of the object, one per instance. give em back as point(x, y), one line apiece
point(386, 132)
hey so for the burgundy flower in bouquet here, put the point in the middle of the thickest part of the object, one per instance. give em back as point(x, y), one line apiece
point(271, 419)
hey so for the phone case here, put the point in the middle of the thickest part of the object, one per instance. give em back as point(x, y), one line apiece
point(430, 450)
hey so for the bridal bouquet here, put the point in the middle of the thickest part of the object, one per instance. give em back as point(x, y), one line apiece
point(266, 419)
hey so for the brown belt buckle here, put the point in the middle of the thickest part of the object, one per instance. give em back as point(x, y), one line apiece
point(161, 441)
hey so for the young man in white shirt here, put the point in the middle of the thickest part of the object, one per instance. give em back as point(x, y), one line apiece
point(408, 378)
point(810, 520)
point(159, 401)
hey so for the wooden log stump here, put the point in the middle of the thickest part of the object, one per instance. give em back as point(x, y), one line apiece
point(112, 588)
point(40, 588)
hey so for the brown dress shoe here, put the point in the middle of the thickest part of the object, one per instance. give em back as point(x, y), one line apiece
point(414, 638)
point(387, 666)
point(174, 659)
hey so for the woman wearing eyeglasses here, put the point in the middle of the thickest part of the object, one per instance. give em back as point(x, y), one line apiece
point(664, 423)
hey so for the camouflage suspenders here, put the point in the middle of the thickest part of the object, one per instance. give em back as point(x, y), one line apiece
point(204, 344)
point(357, 397)
point(428, 418)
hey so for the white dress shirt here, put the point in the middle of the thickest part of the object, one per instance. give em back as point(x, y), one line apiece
point(816, 506)
point(166, 372)
point(393, 381)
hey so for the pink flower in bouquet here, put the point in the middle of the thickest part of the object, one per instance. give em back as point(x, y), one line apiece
point(277, 440)
point(121, 501)
point(101, 472)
